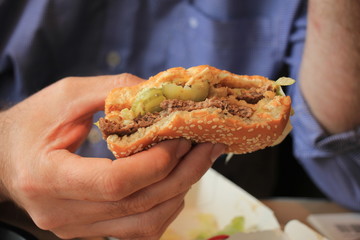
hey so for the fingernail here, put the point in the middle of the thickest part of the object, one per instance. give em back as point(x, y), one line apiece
point(182, 148)
point(217, 150)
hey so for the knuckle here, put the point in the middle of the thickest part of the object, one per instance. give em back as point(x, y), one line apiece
point(112, 190)
point(151, 228)
point(44, 221)
point(66, 84)
point(25, 184)
point(191, 176)
point(139, 203)
point(30, 189)
point(126, 76)
point(68, 87)
point(131, 205)
point(125, 79)
point(71, 232)
point(161, 164)
point(65, 235)
point(64, 89)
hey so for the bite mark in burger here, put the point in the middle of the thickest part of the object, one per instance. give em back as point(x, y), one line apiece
point(203, 104)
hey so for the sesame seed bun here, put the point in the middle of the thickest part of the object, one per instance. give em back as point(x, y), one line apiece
point(267, 126)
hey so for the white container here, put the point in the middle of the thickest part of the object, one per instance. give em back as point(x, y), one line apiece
point(214, 201)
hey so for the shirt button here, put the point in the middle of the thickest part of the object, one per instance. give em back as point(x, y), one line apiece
point(193, 22)
point(113, 59)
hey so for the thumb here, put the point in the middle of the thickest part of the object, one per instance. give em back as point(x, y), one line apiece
point(90, 92)
point(64, 109)
point(102, 85)
point(72, 98)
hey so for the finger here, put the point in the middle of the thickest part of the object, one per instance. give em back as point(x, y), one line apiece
point(77, 212)
point(165, 225)
point(69, 176)
point(148, 224)
point(189, 171)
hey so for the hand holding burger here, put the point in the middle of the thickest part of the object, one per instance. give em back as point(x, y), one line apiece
point(73, 196)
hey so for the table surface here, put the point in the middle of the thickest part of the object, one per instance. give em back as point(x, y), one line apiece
point(285, 209)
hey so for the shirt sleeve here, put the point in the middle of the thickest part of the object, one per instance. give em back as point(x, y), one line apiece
point(332, 161)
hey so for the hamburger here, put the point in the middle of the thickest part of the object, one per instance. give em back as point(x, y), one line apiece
point(201, 103)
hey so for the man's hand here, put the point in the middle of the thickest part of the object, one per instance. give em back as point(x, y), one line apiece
point(135, 197)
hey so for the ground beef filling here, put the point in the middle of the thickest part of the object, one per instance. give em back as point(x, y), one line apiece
point(109, 127)
point(172, 105)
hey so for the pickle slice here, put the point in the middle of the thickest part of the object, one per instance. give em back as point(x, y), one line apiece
point(196, 92)
point(148, 101)
point(127, 114)
point(285, 81)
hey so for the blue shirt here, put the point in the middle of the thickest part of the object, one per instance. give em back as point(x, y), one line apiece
point(43, 41)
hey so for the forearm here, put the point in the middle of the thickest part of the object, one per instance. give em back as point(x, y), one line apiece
point(3, 142)
point(330, 72)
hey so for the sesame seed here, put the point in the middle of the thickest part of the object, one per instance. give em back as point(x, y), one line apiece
point(250, 130)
